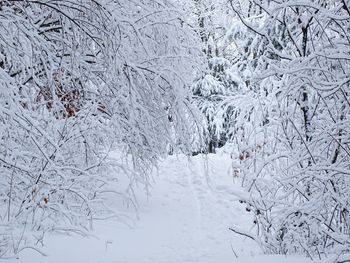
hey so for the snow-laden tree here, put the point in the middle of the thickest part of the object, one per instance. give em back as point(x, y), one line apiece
point(210, 90)
point(292, 123)
point(211, 20)
point(79, 80)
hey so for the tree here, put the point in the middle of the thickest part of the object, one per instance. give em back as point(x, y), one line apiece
point(292, 129)
point(212, 21)
point(80, 80)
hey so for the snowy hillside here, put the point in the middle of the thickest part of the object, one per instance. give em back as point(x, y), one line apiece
point(185, 219)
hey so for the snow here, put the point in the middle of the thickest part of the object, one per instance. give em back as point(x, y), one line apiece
point(184, 219)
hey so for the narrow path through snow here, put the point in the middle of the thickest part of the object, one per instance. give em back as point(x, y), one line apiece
point(184, 220)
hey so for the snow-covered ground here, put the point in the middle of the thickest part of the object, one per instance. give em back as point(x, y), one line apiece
point(184, 219)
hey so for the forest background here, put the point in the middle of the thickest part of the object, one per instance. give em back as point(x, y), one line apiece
point(83, 80)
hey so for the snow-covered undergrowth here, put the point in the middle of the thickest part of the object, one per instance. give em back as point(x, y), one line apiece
point(185, 217)
point(78, 80)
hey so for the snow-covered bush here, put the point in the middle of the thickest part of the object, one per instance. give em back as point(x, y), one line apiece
point(78, 80)
point(292, 125)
